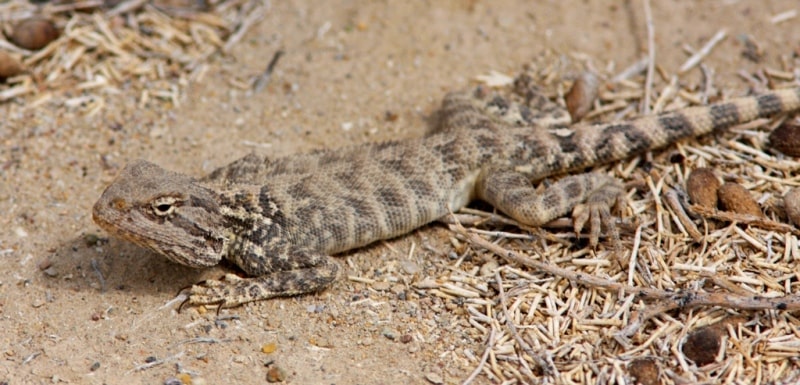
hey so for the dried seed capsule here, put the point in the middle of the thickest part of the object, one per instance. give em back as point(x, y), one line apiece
point(702, 186)
point(33, 33)
point(702, 345)
point(582, 95)
point(9, 66)
point(786, 138)
point(791, 202)
point(734, 197)
point(644, 371)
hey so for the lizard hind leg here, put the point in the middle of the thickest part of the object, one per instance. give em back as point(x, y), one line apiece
point(590, 196)
point(534, 110)
point(311, 272)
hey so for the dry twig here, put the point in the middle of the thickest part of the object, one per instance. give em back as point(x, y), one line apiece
point(672, 299)
point(651, 57)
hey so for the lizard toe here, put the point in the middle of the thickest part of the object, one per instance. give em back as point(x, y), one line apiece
point(598, 216)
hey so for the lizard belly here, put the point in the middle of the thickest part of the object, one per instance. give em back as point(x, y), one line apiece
point(464, 191)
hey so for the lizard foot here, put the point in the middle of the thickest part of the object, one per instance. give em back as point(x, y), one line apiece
point(233, 290)
point(596, 212)
point(226, 292)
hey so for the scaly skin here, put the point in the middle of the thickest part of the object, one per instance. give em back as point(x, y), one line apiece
point(281, 220)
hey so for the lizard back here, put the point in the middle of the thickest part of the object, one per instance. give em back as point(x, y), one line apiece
point(259, 213)
point(338, 199)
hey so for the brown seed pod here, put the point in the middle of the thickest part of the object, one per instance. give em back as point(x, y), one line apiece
point(9, 66)
point(33, 33)
point(702, 186)
point(582, 95)
point(734, 197)
point(702, 345)
point(791, 202)
point(786, 138)
point(644, 371)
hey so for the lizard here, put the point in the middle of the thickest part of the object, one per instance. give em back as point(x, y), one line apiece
point(281, 220)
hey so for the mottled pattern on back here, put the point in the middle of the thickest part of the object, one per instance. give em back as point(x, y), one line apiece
point(280, 219)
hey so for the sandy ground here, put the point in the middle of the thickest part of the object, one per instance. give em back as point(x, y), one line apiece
point(99, 311)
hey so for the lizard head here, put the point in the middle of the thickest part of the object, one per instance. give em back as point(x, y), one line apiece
point(164, 211)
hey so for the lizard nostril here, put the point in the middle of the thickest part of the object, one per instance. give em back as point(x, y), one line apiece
point(118, 204)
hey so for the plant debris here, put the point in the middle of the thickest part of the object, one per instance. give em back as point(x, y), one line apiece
point(92, 48)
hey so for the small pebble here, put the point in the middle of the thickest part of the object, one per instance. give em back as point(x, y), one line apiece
point(51, 272)
point(702, 187)
point(791, 202)
point(172, 381)
point(381, 285)
point(786, 138)
point(406, 338)
point(434, 378)
point(34, 33)
point(44, 264)
point(322, 342)
point(91, 239)
point(390, 334)
point(269, 348)
point(150, 359)
point(333, 312)
point(391, 116)
point(276, 374)
point(367, 341)
point(185, 378)
point(95, 366)
point(734, 197)
point(398, 288)
point(488, 268)
point(20, 232)
point(409, 267)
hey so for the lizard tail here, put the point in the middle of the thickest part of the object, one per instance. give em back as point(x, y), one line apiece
point(588, 145)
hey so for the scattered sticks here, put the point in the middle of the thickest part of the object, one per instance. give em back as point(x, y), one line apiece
point(157, 52)
point(672, 299)
point(263, 79)
point(703, 52)
point(251, 19)
point(489, 345)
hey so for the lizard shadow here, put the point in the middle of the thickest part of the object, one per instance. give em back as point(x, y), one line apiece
point(104, 264)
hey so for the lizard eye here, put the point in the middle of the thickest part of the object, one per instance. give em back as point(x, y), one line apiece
point(164, 206)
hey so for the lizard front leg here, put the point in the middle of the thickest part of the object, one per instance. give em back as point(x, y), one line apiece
point(299, 272)
point(590, 196)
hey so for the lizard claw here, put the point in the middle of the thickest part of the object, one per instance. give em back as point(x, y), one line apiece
point(597, 213)
point(213, 292)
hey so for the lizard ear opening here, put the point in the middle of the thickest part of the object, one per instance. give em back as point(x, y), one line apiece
point(164, 206)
